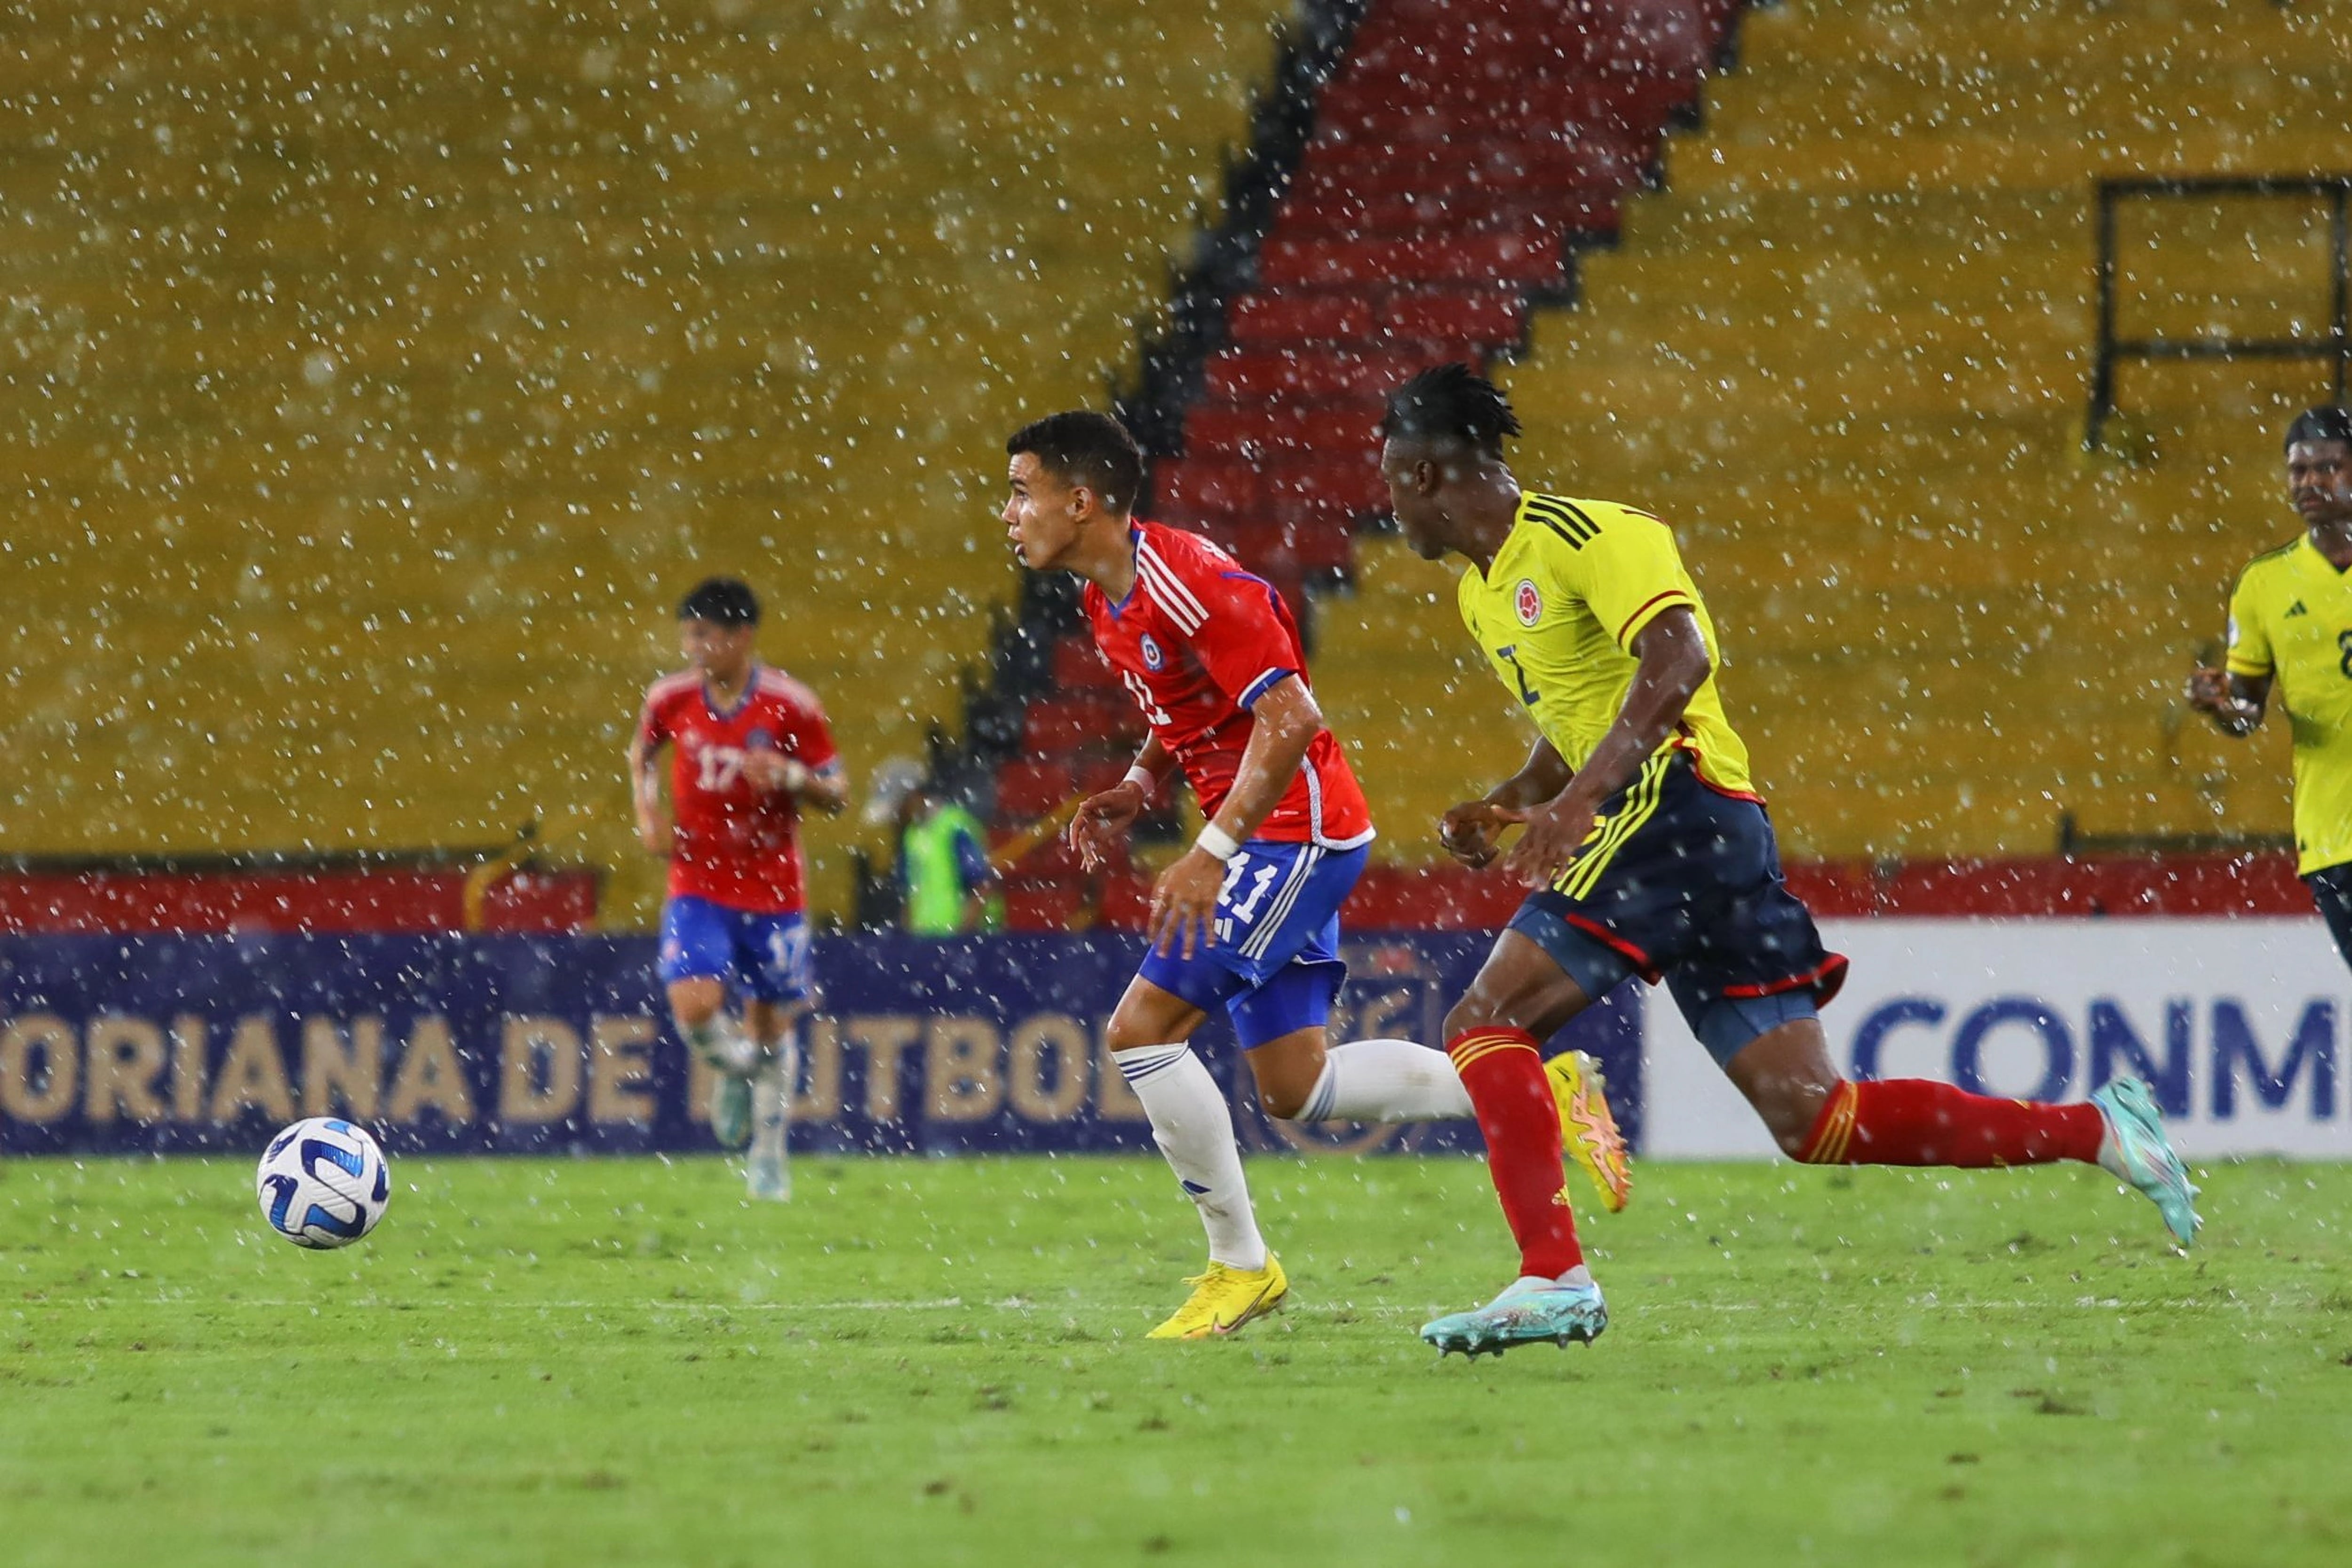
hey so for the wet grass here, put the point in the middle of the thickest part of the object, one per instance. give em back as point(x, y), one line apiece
point(619, 1361)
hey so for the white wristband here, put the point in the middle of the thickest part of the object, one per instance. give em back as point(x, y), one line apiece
point(1218, 844)
point(1142, 778)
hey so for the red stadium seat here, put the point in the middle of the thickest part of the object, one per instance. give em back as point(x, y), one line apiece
point(1454, 319)
point(1072, 724)
point(1305, 375)
point(1300, 318)
point(1208, 486)
point(1077, 667)
point(1030, 788)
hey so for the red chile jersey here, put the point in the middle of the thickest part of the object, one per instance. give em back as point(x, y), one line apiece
point(1197, 641)
point(737, 846)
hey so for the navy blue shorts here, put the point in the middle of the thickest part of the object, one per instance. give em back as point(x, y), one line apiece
point(2331, 890)
point(1682, 882)
point(761, 956)
point(1275, 966)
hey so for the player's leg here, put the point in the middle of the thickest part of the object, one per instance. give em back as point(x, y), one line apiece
point(1821, 1118)
point(771, 966)
point(774, 1028)
point(1749, 987)
point(697, 957)
point(1301, 1077)
point(1526, 991)
point(1193, 1126)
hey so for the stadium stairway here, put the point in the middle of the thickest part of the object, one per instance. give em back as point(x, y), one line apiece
point(371, 386)
point(1424, 171)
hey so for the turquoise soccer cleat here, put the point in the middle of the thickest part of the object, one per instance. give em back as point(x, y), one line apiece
point(1528, 1311)
point(730, 1111)
point(2136, 1150)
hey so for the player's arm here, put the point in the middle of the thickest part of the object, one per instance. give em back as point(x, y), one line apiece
point(1468, 831)
point(1285, 719)
point(1672, 664)
point(1102, 818)
point(2234, 696)
point(654, 829)
point(825, 788)
point(810, 771)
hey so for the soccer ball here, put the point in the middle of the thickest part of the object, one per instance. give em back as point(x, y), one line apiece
point(322, 1183)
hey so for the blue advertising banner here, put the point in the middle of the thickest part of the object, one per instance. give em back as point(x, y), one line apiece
point(536, 1045)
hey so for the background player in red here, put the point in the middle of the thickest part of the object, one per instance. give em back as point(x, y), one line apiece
point(1247, 919)
point(748, 748)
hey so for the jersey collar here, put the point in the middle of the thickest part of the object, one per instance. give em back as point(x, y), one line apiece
point(1135, 559)
point(750, 687)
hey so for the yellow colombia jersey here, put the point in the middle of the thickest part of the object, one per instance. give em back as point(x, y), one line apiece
point(1573, 584)
point(2291, 619)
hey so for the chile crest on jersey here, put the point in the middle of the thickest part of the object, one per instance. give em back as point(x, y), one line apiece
point(1197, 640)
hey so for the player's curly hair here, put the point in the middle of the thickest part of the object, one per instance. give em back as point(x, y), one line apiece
point(1081, 447)
point(2328, 422)
point(1452, 400)
point(721, 601)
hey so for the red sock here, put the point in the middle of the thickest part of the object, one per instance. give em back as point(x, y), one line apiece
point(1918, 1121)
point(1504, 1072)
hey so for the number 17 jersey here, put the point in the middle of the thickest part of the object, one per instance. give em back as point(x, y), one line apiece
point(737, 846)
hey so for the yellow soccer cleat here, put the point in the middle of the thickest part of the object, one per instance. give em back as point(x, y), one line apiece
point(1223, 1298)
point(1588, 1130)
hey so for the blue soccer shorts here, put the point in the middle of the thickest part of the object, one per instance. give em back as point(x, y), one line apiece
point(1274, 967)
point(1681, 881)
point(762, 956)
point(2331, 890)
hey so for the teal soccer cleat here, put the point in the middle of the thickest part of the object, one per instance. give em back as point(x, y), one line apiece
point(730, 1111)
point(2136, 1150)
point(1528, 1311)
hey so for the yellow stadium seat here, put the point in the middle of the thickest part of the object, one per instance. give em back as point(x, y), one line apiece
point(1846, 350)
point(378, 388)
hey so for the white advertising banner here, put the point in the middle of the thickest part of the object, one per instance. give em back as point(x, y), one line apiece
point(2243, 1026)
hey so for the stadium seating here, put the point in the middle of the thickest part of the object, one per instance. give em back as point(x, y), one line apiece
point(377, 384)
point(1846, 350)
point(1461, 153)
point(1458, 156)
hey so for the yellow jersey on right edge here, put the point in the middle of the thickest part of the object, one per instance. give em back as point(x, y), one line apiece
point(1557, 614)
point(2291, 619)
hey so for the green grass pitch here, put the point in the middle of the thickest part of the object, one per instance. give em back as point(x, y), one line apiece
point(607, 1362)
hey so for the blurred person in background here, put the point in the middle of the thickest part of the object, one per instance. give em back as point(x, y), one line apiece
point(2290, 632)
point(749, 747)
point(946, 884)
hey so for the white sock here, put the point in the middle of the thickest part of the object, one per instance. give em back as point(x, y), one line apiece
point(1194, 1130)
point(1387, 1080)
point(716, 1041)
point(772, 1087)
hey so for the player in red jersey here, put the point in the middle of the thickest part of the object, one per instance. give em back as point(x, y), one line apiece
point(749, 749)
point(1247, 919)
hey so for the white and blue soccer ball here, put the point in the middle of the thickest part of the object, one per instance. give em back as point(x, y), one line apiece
point(323, 1182)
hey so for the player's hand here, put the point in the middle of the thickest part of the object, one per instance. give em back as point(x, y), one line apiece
point(1555, 832)
point(1102, 820)
point(2209, 692)
point(2210, 689)
point(659, 837)
point(772, 770)
point(1184, 902)
point(1468, 831)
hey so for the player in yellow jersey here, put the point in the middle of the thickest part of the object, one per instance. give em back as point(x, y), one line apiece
point(2291, 630)
point(1650, 854)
